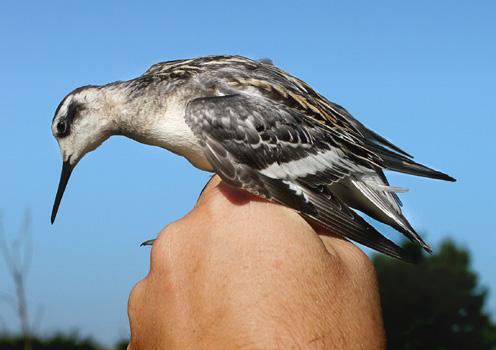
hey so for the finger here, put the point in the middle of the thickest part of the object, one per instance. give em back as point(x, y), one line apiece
point(350, 255)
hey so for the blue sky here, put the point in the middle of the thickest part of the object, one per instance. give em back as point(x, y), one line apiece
point(421, 73)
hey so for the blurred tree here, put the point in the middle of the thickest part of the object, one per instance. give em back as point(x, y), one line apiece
point(122, 344)
point(71, 341)
point(435, 304)
point(17, 256)
point(57, 342)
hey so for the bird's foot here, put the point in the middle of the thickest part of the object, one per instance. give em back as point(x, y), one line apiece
point(204, 187)
point(148, 242)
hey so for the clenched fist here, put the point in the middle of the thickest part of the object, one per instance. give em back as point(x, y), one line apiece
point(238, 272)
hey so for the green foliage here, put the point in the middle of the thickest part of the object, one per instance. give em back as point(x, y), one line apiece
point(57, 342)
point(435, 304)
point(122, 345)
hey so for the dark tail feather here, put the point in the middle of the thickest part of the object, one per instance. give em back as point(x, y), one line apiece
point(381, 140)
point(394, 157)
point(407, 166)
point(413, 236)
point(397, 162)
point(369, 237)
point(334, 215)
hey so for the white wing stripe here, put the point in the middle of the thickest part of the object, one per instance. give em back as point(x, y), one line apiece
point(310, 165)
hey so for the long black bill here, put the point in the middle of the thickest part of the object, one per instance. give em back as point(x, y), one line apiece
point(64, 178)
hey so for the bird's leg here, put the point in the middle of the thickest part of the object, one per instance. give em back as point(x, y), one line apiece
point(148, 242)
point(204, 187)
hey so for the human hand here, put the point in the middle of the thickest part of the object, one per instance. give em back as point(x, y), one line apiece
point(240, 272)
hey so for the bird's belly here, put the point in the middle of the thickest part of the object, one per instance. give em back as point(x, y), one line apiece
point(173, 134)
point(197, 159)
point(190, 150)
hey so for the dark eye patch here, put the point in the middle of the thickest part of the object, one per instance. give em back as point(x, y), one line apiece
point(73, 111)
point(64, 123)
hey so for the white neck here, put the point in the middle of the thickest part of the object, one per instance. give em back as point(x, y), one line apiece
point(158, 122)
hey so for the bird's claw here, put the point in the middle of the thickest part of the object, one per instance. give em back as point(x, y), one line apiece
point(148, 242)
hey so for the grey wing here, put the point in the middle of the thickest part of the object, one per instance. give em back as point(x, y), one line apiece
point(368, 134)
point(278, 154)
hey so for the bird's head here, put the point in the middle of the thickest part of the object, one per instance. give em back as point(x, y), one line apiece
point(81, 123)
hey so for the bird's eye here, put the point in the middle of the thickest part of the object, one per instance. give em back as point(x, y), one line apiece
point(61, 127)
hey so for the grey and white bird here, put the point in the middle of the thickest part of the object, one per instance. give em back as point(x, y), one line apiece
point(260, 129)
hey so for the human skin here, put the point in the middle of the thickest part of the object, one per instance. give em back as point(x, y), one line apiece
point(238, 272)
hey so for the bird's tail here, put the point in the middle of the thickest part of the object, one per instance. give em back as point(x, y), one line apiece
point(403, 164)
point(408, 166)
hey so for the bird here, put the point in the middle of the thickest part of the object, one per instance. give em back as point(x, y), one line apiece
point(260, 129)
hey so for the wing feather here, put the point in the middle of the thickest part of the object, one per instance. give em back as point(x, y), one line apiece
point(317, 204)
point(242, 158)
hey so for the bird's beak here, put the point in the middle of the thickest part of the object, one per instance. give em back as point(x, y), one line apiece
point(64, 178)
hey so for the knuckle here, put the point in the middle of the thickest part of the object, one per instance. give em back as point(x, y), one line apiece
point(360, 263)
point(363, 262)
point(170, 230)
point(162, 252)
point(135, 297)
point(350, 257)
point(219, 200)
point(210, 205)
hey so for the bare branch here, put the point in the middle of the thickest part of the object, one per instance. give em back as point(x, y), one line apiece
point(17, 257)
point(27, 242)
point(37, 319)
point(3, 245)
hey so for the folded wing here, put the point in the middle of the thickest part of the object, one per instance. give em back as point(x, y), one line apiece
point(279, 154)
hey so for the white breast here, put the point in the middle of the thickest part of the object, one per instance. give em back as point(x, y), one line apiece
point(172, 133)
